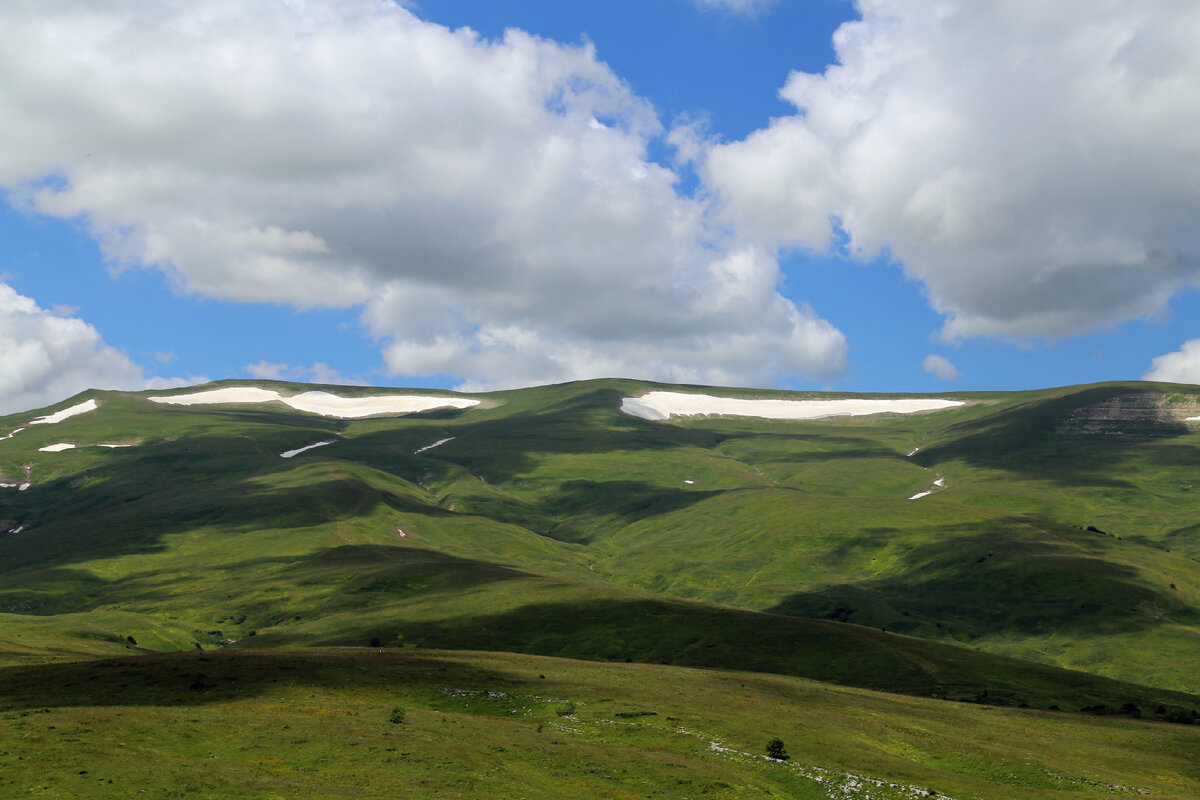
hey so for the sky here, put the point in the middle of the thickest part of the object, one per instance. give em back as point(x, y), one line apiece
point(880, 196)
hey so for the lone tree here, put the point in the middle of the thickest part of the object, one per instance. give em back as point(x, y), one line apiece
point(775, 750)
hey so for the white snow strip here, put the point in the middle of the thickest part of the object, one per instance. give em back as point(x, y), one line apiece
point(299, 450)
point(912, 452)
point(59, 416)
point(238, 394)
point(331, 405)
point(438, 443)
point(689, 483)
point(940, 483)
point(14, 433)
point(22, 487)
point(323, 403)
point(664, 405)
point(17, 529)
point(56, 448)
point(1189, 419)
point(8, 486)
point(115, 445)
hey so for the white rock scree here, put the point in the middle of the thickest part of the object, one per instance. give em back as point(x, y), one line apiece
point(664, 405)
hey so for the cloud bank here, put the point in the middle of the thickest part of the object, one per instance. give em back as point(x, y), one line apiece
point(45, 358)
point(489, 205)
point(1182, 366)
point(1035, 165)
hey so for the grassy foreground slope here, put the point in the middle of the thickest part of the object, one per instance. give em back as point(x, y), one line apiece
point(318, 723)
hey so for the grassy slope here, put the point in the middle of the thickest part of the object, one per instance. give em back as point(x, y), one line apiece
point(208, 534)
point(812, 519)
point(554, 525)
point(315, 723)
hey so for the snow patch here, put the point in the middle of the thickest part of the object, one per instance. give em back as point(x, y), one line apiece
point(22, 487)
point(14, 433)
point(438, 443)
point(939, 483)
point(664, 405)
point(689, 483)
point(299, 450)
point(114, 445)
point(56, 448)
point(323, 403)
point(66, 413)
point(240, 394)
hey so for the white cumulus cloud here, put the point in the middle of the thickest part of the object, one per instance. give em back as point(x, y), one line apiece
point(488, 204)
point(940, 366)
point(1182, 366)
point(46, 357)
point(1034, 164)
point(318, 372)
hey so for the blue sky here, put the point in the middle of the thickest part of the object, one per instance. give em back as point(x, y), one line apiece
point(986, 197)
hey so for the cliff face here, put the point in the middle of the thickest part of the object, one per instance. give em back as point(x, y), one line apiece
point(1144, 413)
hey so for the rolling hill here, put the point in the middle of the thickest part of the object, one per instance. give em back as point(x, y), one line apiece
point(1031, 555)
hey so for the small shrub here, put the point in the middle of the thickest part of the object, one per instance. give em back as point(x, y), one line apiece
point(565, 710)
point(397, 715)
point(776, 751)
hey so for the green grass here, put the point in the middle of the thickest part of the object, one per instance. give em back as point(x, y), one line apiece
point(553, 525)
point(316, 723)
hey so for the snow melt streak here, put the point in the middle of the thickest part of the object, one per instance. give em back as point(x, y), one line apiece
point(299, 450)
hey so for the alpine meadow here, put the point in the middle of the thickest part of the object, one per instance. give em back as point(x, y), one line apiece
point(544, 593)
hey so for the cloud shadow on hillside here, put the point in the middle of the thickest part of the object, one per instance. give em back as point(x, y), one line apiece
point(1025, 440)
point(1009, 578)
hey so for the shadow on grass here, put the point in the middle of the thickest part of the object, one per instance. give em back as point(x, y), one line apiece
point(336, 579)
point(694, 635)
point(196, 678)
point(1025, 440)
point(583, 503)
point(1010, 578)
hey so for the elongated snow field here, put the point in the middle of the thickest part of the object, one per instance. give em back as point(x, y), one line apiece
point(66, 413)
point(323, 403)
point(664, 405)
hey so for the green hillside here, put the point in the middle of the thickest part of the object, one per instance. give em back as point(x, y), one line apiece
point(1053, 565)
